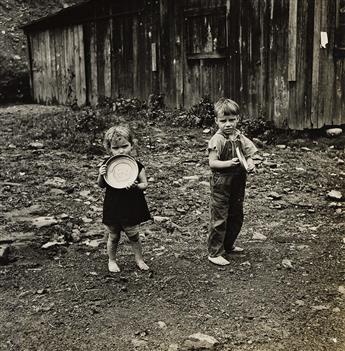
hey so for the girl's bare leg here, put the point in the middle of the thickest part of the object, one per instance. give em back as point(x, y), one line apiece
point(138, 254)
point(112, 244)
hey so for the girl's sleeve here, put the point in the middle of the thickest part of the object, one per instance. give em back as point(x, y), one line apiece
point(215, 144)
point(140, 166)
point(248, 147)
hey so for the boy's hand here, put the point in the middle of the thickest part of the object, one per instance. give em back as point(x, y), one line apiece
point(234, 162)
point(103, 170)
point(251, 166)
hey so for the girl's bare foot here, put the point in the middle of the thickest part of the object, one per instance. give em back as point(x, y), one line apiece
point(113, 267)
point(142, 265)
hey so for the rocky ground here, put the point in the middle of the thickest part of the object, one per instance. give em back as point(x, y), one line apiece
point(285, 292)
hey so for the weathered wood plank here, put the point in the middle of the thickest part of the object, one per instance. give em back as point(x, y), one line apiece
point(48, 68)
point(57, 44)
point(93, 64)
point(65, 85)
point(107, 59)
point(292, 39)
point(72, 70)
point(82, 90)
point(34, 45)
point(75, 43)
point(42, 60)
point(316, 66)
point(54, 84)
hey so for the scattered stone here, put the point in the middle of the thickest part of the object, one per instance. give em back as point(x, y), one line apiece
point(246, 264)
point(336, 310)
point(200, 341)
point(281, 146)
point(4, 254)
point(206, 131)
point(286, 263)
point(162, 325)
point(320, 308)
point(52, 243)
point(41, 291)
point(192, 178)
point(341, 289)
point(41, 222)
point(36, 145)
point(57, 191)
point(56, 182)
point(334, 132)
point(300, 302)
point(139, 343)
point(335, 195)
point(160, 219)
point(85, 193)
point(23, 212)
point(274, 195)
point(64, 216)
point(173, 347)
point(304, 148)
point(260, 237)
point(93, 243)
point(86, 220)
point(340, 161)
point(76, 235)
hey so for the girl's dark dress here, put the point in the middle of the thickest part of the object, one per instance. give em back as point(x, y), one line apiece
point(125, 207)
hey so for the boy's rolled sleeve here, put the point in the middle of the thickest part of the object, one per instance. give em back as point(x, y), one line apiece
point(215, 144)
point(248, 147)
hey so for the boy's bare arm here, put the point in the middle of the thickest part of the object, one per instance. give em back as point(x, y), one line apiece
point(215, 163)
point(251, 164)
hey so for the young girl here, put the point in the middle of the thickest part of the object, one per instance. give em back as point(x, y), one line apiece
point(123, 209)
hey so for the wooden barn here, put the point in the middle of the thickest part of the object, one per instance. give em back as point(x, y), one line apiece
point(281, 59)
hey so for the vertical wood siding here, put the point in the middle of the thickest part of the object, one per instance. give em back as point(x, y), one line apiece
point(58, 66)
point(265, 54)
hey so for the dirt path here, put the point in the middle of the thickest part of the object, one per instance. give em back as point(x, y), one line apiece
point(287, 291)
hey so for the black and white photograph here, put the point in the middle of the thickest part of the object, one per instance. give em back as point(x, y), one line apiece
point(172, 175)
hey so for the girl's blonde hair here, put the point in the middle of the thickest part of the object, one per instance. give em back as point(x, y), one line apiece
point(116, 132)
point(226, 107)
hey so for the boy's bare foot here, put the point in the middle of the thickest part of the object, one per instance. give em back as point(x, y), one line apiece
point(113, 267)
point(220, 261)
point(142, 265)
point(236, 249)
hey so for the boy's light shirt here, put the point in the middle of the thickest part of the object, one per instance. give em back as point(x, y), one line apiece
point(218, 143)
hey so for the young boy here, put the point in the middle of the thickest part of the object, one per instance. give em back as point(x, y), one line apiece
point(228, 181)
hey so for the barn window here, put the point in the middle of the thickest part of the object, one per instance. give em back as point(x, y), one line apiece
point(206, 34)
point(340, 31)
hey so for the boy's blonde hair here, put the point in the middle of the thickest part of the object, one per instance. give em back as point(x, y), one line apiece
point(117, 132)
point(226, 107)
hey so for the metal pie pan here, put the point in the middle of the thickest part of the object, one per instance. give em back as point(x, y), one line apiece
point(122, 171)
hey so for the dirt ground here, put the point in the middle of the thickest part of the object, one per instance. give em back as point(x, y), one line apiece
point(285, 292)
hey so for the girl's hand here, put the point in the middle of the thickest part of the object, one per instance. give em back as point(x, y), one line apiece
point(132, 186)
point(234, 162)
point(103, 170)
